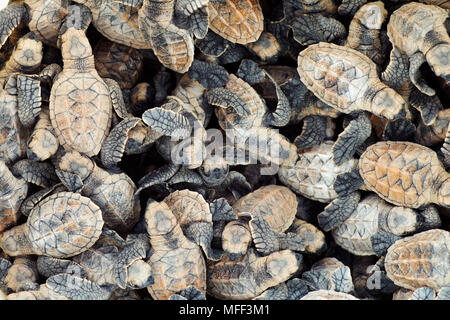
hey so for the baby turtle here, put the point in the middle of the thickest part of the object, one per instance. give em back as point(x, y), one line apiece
point(62, 225)
point(176, 262)
point(420, 260)
point(409, 31)
point(22, 275)
point(251, 275)
point(347, 80)
point(236, 21)
point(328, 295)
point(112, 192)
point(13, 192)
point(373, 214)
point(329, 274)
point(402, 173)
point(42, 17)
point(119, 62)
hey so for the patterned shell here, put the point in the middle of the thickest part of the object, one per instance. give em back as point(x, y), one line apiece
point(188, 206)
point(64, 224)
point(372, 215)
point(238, 21)
point(409, 25)
point(314, 174)
point(276, 204)
point(346, 80)
point(121, 63)
point(228, 118)
point(402, 173)
point(422, 260)
point(80, 105)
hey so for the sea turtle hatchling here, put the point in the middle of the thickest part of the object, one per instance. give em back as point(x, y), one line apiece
point(112, 192)
point(236, 21)
point(13, 192)
point(373, 214)
point(62, 225)
point(418, 31)
point(347, 80)
point(421, 260)
point(42, 17)
point(176, 262)
point(250, 275)
point(402, 173)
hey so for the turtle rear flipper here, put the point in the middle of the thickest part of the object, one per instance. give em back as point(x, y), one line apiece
point(250, 72)
point(349, 7)
point(10, 18)
point(342, 280)
point(415, 61)
point(348, 182)
point(114, 145)
point(167, 122)
point(357, 131)
point(314, 28)
point(428, 107)
point(209, 75)
point(381, 241)
point(39, 173)
point(399, 130)
point(265, 239)
point(225, 98)
point(313, 133)
point(29, 99)
point(116, 95)
point(423, 293)
point(338, 211)
point(76, 288)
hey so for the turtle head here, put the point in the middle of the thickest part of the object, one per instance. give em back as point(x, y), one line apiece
point(139, 275)
point(283, 264)
point(401, 220)
point(75, 45)
point(387, 103)
point(372, 15)
point(75, 163)
point(159, 219)
point(214, 170)
point(438, 58)
point(28, 52)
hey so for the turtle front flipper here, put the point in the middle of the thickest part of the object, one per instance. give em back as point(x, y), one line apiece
point(265, 239)
point(446, 148)
point(190, 293)
point(313, 133)
point(10, 18)
point(444, 293)
point(423, 293)
point(39, 173)
point(381, 241)
point(196, 12)
point(250, 72)
point(342, 280)
point(357, 131)
point(237, 183)
point(201, 233)
point(49, 266)
point(399, 130)
point(158, 176)
point(314, 28)
point(224, 98)
point(338, 211)
point(349, 7)
point(348, 182)
point(282, 114)
point(29, 99)
point(114, 145)
point(209, 75)
point(316, 280)
point(428, 106)
point(296, 289)
point(167, 122)
point(396, 74)
point(415, 61)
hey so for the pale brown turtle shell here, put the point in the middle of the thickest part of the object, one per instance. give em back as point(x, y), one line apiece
point(188, 206)
point(409, 25)
point(405, 174)
point(228, 118)
point(373, 214)
point(46, 18)
point(276, 204)
point(421, 260)
point(176, 262)
point(347, 80)
point(119, 62)
point(314, 174)
point(249, 276)
point(328, 295)
point(238, 21)
point(80, 104)
point(62, 225)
